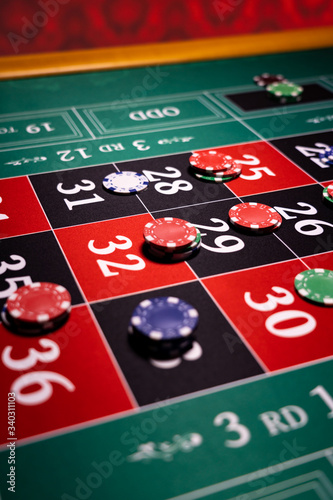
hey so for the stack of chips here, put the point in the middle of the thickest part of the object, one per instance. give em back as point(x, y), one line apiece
point(255, 218)
point(37, 309)
point(171, 240)
point(279, 88)
point(163, 327)
point(214, 166)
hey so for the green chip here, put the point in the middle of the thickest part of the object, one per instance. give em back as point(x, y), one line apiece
point(285, 91)
point(327, 197)
point(315, 285)
point(214, 179)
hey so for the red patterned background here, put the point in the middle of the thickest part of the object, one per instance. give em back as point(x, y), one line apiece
point(30, 26)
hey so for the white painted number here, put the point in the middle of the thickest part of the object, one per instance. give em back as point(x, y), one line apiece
point(140, 145)
point(309, 210)
point(168, 188)
point(44, 380)
point(173, 173)
point(304, 227)
point(272, 301)
point(257, 173)
point(309, 227)
point(87, 186)
point(292, 332)
point(311, 152)
point(51, 354)
point(35, 129)
point(224, 243)
point(26, 280)
point(325, 396)
point(12, 282)
point(105, 264)
point(13, 267)
point(233, 426)
point(111, 246)
point(307, 326)
point(249, 160)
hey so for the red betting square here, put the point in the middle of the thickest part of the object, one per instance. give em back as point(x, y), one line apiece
point(279, 326)
point(64, 378)
point(263, 169)
point(20, 211)
point(108, 260)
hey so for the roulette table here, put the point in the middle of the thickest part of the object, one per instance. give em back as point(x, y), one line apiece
point(248, 413)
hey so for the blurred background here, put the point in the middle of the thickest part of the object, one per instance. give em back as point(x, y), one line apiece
point(35, 26)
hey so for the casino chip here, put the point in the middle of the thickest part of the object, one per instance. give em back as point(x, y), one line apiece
point(177, 255)
point(256, 217)
point(285, 92)
point(228, 175)
point(163, 326)
point(169, 233)
point(38, 303)
point(214, 166)
point(327, 156)
point(267, 79)
point(206, 162)
point(213, 179)
point(315, 285)
point(32, 329)
point(328, 195)
point(125, 182)
point(37, 308)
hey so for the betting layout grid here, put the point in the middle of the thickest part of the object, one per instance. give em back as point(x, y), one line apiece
point(99, 253)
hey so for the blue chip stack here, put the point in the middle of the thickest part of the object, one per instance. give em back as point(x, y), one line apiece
point(327, 156)
point(163, 327)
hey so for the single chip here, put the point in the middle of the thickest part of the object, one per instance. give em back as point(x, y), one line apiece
point(169, 232)
point(211, 161)
point(125, 182)
point(285, 91)
point(38, 303)
point(330, 190)
point(164, 319)
point(266, 79)
point(327, 156)
point(315, 285)
point(254, 216)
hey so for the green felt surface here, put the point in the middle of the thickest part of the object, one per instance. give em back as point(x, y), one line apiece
point(234, 452)
point(70, 121)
